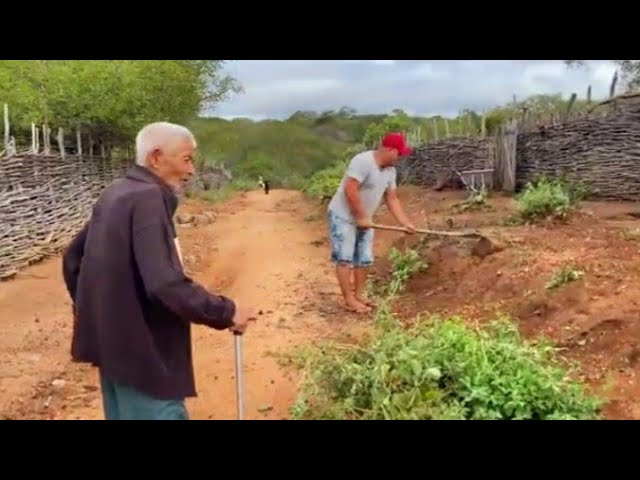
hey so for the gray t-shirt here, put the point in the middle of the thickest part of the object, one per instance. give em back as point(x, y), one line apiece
point(374, 181)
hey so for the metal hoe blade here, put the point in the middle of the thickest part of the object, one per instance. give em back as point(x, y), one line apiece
point(239, 379)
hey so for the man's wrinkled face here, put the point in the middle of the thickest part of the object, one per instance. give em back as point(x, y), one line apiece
point(174, 163)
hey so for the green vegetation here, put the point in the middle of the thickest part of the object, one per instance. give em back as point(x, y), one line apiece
point(439, 368)
point(404, 264)
point(111, 99)
point(564, 275)
point(225, 192)
point(544, 198)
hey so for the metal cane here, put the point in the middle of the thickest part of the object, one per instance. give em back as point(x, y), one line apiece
point(239, 383)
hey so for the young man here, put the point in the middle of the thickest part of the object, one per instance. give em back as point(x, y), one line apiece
point(133, 303)
point(370, 176)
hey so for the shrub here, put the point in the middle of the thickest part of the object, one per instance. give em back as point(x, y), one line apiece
point(546, 198)
point(441, 369)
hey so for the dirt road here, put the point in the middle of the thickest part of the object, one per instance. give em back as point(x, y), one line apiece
point(265, 250)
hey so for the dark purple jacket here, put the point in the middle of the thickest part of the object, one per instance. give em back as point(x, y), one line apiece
point(133, 302)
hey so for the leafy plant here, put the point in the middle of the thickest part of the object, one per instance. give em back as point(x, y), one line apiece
point(441, 369)
point(477, 200)
point(564, 275)
point(543, 198)
point(404, 264)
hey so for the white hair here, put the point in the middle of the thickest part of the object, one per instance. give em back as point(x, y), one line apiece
point(159, 135)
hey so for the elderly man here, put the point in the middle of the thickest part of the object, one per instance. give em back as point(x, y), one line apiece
point(133, 303)
point(370, 176)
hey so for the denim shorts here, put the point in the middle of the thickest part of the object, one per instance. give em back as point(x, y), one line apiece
point(349, 244)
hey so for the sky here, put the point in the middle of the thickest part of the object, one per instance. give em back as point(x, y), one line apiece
point(278, 88)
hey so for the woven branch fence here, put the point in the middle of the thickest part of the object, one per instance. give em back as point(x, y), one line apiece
point(44, 201)
point(600, 148)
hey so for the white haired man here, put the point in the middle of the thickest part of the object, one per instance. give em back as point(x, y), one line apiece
point(133, 303)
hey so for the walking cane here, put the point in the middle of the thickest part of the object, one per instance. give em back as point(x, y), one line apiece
point(239, 384)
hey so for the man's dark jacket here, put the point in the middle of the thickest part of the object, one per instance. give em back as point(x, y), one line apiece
point(133, 302)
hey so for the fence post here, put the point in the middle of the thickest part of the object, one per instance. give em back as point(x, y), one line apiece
point(61, 142)
point(509, 146)
point(79, 141)
point(7, 137)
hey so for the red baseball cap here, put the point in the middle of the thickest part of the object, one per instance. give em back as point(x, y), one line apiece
point(398, 142)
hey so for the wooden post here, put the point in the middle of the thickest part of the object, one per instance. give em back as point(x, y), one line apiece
point(589, 95)
point(483, 126)
point(7, 135)
point(567, 114)
point(510, 143)
point(435, 129)
point(103, 152)
point(61, 142)
point(614, 80)
point(79, 141)
point(45, 139)
point(34, 148)
point(446, 127)
point(90, 145)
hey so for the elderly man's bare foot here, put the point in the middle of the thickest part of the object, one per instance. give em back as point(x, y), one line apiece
point(367, 301)
point(356, 306)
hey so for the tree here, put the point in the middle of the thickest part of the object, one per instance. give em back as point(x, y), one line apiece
point(111, 99)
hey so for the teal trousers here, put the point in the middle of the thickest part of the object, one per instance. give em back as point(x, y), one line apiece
point(126, 403)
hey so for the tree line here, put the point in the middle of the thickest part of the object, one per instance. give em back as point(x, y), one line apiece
point(110, 99)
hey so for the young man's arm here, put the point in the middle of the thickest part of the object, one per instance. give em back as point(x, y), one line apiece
point(395, 207)
point(357, 172)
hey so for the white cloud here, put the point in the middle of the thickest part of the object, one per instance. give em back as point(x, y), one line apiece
point(278, 88)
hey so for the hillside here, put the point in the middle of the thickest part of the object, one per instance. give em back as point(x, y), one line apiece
point(289, 152)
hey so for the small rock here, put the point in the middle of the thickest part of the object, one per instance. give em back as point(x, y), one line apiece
point(37, 320)
point(265, 408)
point(582, 342)
point(184, 218)
point(58, 383)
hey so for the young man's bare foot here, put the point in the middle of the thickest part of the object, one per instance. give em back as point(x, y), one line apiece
point(356, 306)
point(367, 301)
